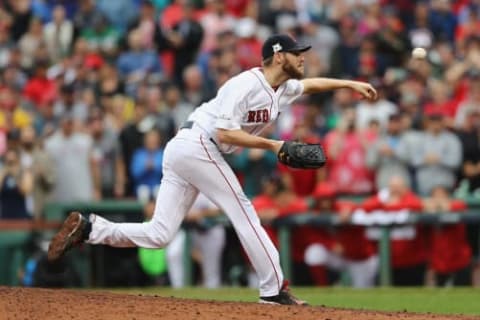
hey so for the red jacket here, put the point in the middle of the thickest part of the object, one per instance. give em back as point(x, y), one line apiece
point(355, 245)
point(40, 91)
point(408, 247)
point(450, 249)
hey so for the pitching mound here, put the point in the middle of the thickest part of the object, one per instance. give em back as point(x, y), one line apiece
point(26, 303)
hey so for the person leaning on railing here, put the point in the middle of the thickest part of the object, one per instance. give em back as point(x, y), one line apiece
point(408, 243)
point(450, 254)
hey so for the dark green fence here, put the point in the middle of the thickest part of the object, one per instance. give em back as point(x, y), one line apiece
point(13, 242)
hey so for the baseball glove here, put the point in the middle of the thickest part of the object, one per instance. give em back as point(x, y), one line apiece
point(302, 155)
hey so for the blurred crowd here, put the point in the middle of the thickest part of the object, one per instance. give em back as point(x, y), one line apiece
point(92, 90)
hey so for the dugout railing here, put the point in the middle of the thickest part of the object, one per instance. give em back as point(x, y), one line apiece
point(14, 236)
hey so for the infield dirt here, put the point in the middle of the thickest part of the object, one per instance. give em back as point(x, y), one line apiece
point(28, 303)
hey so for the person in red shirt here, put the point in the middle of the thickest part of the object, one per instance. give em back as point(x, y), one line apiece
point(408, 243)
point(345, 148)
point(451, 254)
point(39, 89)
point(348, 248)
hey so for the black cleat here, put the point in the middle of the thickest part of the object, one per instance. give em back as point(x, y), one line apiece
point(284, 297)
point(70, 235)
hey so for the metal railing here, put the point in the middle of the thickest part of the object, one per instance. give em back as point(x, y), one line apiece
point(131, 211)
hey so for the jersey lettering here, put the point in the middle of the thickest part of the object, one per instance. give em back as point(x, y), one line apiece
point(258, 116)
point(265, 115)
point(251, 116)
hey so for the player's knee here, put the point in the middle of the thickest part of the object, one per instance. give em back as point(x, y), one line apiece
point(158, 241)
point(158, 235)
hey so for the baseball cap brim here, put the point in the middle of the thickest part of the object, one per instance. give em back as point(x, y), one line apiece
point(299, 48)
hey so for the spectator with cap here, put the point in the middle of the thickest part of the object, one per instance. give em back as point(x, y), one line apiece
point(382, 155)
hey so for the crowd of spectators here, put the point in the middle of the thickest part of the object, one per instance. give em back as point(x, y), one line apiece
point(92, 90)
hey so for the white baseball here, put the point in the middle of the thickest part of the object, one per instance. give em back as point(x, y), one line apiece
point(419, 53)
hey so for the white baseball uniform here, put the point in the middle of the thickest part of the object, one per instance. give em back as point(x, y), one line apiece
point(193, 162)
point(209, 243)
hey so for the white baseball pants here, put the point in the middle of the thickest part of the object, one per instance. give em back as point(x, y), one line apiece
point(193, 163)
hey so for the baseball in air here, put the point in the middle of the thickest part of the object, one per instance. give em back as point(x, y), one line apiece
point(419, 53)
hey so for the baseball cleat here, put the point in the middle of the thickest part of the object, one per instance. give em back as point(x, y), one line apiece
point(284, 297)
point(70, 235)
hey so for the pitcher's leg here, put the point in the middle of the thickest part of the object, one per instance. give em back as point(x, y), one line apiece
point(174, 199)
point(218, 182)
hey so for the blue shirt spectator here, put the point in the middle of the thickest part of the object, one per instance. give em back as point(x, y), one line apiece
point(43, 9)
point(136, 64)
point(146, 166)
point(443, 21)
point(118, 12)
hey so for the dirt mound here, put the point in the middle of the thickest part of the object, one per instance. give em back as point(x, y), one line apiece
point(27, 303)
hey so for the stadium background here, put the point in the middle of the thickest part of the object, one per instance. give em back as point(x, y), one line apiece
point(82, 83)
